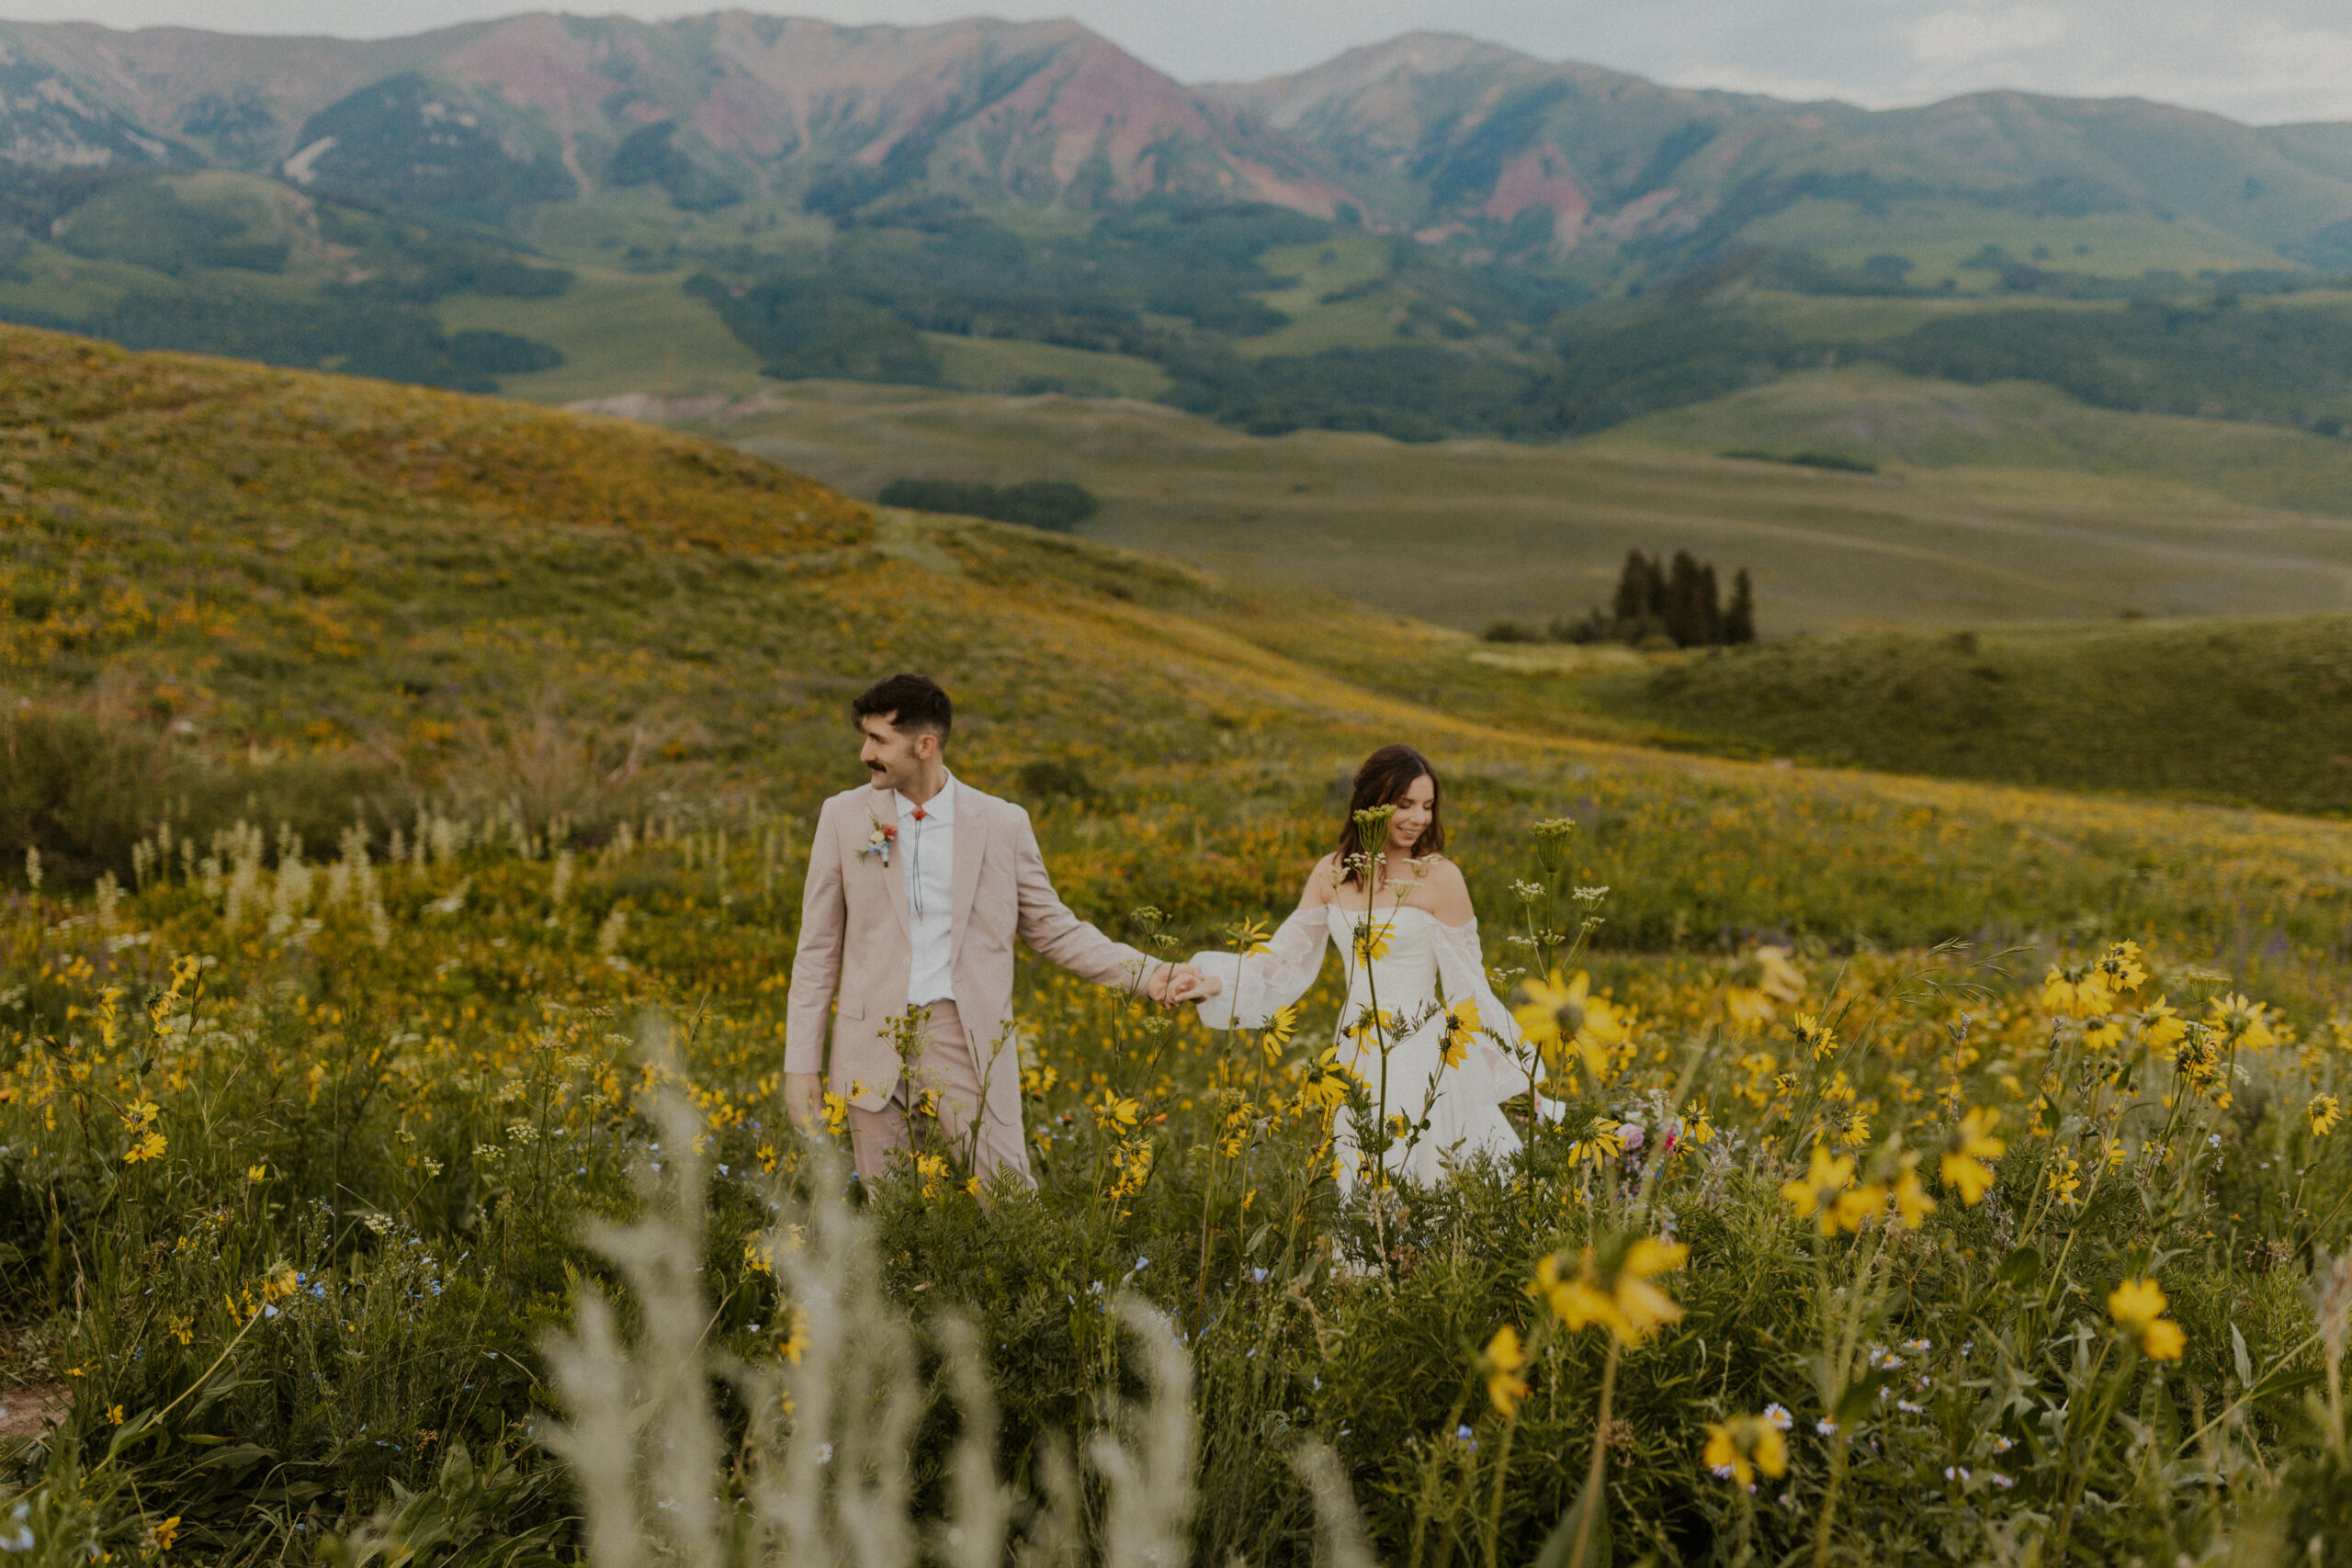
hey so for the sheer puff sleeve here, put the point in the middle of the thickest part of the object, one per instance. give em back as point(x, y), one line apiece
point(1493, 1060)
point(1258, 985)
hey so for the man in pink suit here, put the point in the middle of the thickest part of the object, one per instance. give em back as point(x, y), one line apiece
point(918, 885)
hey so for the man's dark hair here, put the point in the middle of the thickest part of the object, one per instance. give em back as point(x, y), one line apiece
point(909, 702)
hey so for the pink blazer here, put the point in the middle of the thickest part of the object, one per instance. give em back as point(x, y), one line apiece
point(854, 944)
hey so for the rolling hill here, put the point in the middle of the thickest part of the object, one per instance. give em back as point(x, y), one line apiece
point(2000, 504)
point(347, 597)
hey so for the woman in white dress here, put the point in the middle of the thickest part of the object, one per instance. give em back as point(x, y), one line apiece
point(1399, 913)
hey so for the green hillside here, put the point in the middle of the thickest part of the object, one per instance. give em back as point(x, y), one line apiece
point(1879, 415)
point(215, 570)
point(2045, 519)
point(2245, 712)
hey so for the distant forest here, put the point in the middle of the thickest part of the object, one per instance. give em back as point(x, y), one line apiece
point(1499, 351)
point(1483, 348)
point(1657, 604)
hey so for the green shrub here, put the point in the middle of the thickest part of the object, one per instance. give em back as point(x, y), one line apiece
point(1055, 505)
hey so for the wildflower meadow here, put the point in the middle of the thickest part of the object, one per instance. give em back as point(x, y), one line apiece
point(393, 1166)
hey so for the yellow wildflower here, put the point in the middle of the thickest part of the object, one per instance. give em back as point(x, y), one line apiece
point(1740, 1446)
point(2076, 990)
point(1912, 1204)
point(2120, 969)
point(2138, 1306)
point(2065, 1180)
point(2160, 1025)
point(2241, 1022)
point(1613, 1291)
point(2324, 1114)
point(1558, 1016)
point(151, 1146)
point(1764, 982)
point(1813, 1194)
point(793, 1343)
point(1965, 1165)
point(1813, 1035)
point(1326, 1088)
point(1505, 1387)
point(931, 1170)
point(1604, 1140)
point(1460, 1026)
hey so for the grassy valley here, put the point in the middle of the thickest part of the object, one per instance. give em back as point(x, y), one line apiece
point(1993, 503)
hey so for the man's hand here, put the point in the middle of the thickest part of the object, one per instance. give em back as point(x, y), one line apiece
point(1178, 982)
point(803, 1100)
point(1192, 984)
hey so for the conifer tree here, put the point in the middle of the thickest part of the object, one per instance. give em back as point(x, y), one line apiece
point(1739, 621)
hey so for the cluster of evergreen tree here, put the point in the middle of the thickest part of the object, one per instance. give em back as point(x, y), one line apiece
point(1657, 601)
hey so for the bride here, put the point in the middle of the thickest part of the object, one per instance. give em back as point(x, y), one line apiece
point(1399, 913)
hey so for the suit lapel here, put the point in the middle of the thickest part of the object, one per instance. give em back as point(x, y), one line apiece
point(975, 815)
point(893, 875)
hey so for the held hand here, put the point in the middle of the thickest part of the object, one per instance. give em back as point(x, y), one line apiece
point(1159, 983)
point(803, 1100)
point(1193, 985)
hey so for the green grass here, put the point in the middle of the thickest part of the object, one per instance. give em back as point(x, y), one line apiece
point(1886, 417)
point(1939, 236)
point(619, 333)
point(1010, 365)
point(2251, 711)
point(1346, 262)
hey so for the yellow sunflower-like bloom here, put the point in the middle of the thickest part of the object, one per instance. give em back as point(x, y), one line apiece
point(1505, 1387)
point(1813, 1035)
point(2324, 1114)
point(1558, 1015)
point(1813, 1195)
point(2160, 1025)
point(2119, 968)
point(1965, 1165)
point(1605, 1141)
point(1611, 1289)
point(1460, 1027)
point(2076, 990)
point(1740, 1446)
point(1912, 1204)
point(2241, 1022)
point(2138, 1306)
point(1326, 1088)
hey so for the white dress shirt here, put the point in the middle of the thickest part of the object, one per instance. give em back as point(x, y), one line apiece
point(927, 860)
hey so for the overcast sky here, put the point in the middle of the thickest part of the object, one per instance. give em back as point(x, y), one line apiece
point(2264, 61)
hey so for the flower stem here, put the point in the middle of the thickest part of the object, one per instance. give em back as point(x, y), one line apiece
point(1593, 1502)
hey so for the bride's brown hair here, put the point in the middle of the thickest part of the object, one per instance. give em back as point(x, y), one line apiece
point(1382, 780)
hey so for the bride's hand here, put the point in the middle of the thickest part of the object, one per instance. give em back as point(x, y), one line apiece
point(1192, 985)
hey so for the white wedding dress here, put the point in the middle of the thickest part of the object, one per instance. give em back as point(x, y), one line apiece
point(1423, 956)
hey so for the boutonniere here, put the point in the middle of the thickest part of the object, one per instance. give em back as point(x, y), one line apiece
point(878, 843)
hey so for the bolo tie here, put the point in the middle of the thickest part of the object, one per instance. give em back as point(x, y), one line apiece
point(914, 864)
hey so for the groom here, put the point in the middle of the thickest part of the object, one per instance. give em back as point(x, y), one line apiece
point(918, 885)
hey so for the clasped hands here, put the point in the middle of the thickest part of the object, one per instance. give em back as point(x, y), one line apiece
point(1181, 983)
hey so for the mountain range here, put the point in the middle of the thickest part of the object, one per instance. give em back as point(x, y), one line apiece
point(1467, 145)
